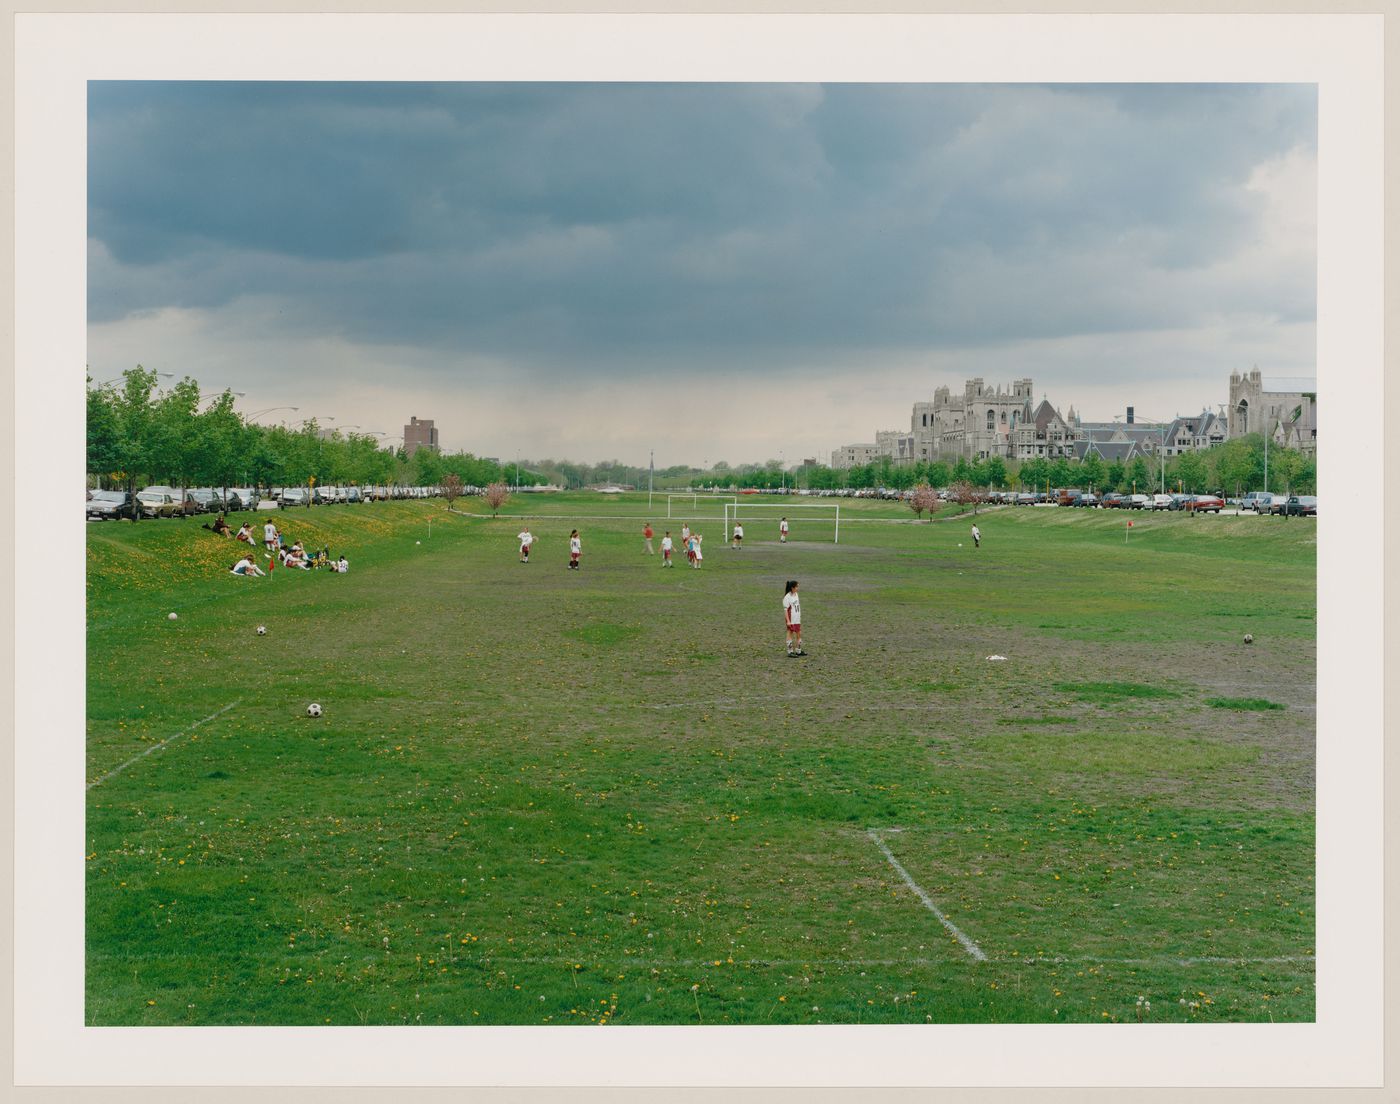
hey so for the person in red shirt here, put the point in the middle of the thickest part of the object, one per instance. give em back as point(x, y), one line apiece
point(647, 534)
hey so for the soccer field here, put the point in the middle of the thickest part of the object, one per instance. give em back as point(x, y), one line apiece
point(544, 796)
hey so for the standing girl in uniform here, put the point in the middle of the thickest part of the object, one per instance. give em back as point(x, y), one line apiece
point(575, 550)
point(792, 618)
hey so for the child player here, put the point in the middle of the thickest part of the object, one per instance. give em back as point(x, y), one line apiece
point(526, 538)
point(666, 550)
point(792, 618)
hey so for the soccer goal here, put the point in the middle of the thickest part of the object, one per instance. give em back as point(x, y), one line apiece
point(814, 527)
point(696, 497)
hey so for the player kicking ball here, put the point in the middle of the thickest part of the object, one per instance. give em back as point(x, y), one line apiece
point(792, 617)
point(526, 539)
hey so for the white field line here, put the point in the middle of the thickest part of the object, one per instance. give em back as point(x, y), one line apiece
point(720, 701)
point(843, 963)
point(157, 747)
point(968, 945)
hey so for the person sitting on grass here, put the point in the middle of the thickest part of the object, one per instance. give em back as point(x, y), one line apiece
point(245, 533)
point(344, 565)
point(220, 526)
point(246, 566)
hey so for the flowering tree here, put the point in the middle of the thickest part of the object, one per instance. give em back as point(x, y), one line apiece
point(924, 498)
point(964, 493)
point(496, 495)
point(451, 488)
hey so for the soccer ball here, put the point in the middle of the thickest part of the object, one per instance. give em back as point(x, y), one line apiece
point(1249, 638)
point(262, 630)
point(313, 710)
point(174, 617)
point(417, 542)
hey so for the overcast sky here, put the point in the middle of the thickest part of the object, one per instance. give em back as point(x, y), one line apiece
point(712, 271)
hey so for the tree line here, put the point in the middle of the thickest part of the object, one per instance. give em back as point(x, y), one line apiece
point(138, 434)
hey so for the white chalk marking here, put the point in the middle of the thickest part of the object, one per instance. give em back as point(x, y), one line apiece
point(968, 945)
point(157, 747)
point(845, 963)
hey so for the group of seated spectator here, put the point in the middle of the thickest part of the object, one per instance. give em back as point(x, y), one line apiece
point(279, 552)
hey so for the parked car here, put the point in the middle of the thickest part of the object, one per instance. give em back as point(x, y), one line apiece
point(1111, 501)
point(109, 505)
point(1161, 502)
point(158, 501)
point(1300, 506)
point(1259, 501)
point(1088, 498)
point(1136, 501)
point(1205, 503)
point(1179, 501)
point(1067, 495)
point(209, 500)
point(293, 496)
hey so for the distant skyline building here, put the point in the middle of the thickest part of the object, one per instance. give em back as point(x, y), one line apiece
point(419, 433)
point(983, 422)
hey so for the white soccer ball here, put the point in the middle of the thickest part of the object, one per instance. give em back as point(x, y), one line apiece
point(262, 630)
point(959, 544)
point(1249, 638)
point(174, 617)
point(417, 542)
point(313, 710)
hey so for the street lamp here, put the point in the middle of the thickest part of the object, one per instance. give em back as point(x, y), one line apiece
point(235, 394)
point(269, 410)
point(119, 379)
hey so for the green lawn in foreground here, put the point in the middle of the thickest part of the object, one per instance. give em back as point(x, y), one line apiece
point(541, 796)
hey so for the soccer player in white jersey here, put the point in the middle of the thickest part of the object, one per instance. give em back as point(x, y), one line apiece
point(575, 549)
point(782, 531)
point(526, 538)
point(666, 546)
point(792, 618)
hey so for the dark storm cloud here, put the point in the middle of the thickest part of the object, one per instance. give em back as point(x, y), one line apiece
point(629, 223)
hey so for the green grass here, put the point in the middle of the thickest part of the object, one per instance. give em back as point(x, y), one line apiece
point(541, 796)
point(1256, 704)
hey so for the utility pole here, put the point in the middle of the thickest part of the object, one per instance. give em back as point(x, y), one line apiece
point(651, 477)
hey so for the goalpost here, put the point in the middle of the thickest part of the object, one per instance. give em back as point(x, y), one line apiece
point(696, 496)
point(732, 511)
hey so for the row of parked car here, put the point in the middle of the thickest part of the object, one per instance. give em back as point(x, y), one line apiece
point(164, 501)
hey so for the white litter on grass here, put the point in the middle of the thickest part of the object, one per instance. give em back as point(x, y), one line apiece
point(996, 658)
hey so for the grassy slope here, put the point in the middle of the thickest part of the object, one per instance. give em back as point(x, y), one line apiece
point(541, 796)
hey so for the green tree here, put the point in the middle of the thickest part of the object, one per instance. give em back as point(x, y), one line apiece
point(996, 472)
point(1113, 475)
point(1034, 473)
point(103, 432)
point(134, 407)
point(1192, 472)
point(1091, 471)
point(938, 473)
point(1137, 476)
point(1284, 468)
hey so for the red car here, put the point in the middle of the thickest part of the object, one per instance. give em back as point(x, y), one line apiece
point(1203, 503)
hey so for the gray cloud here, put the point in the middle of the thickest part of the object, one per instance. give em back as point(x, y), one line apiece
point(621, 229)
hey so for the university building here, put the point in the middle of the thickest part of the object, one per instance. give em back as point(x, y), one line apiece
point(419, 433)
point(984, 421)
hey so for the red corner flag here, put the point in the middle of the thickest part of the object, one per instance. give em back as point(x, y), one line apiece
point(272, 561)
point(1130, 525)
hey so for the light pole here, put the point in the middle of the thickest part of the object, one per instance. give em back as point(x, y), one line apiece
point(782, 468)
point(269, 410)
point(651, 476)
point(216, 398)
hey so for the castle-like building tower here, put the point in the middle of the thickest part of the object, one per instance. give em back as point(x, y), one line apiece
point(1288, 417)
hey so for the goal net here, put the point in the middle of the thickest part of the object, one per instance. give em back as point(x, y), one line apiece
point(763, 520)
point(694, 499)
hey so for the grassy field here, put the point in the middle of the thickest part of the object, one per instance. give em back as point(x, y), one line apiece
point(539, 796)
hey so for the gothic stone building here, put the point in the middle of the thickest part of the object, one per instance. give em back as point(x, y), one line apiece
point(1289, 417)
